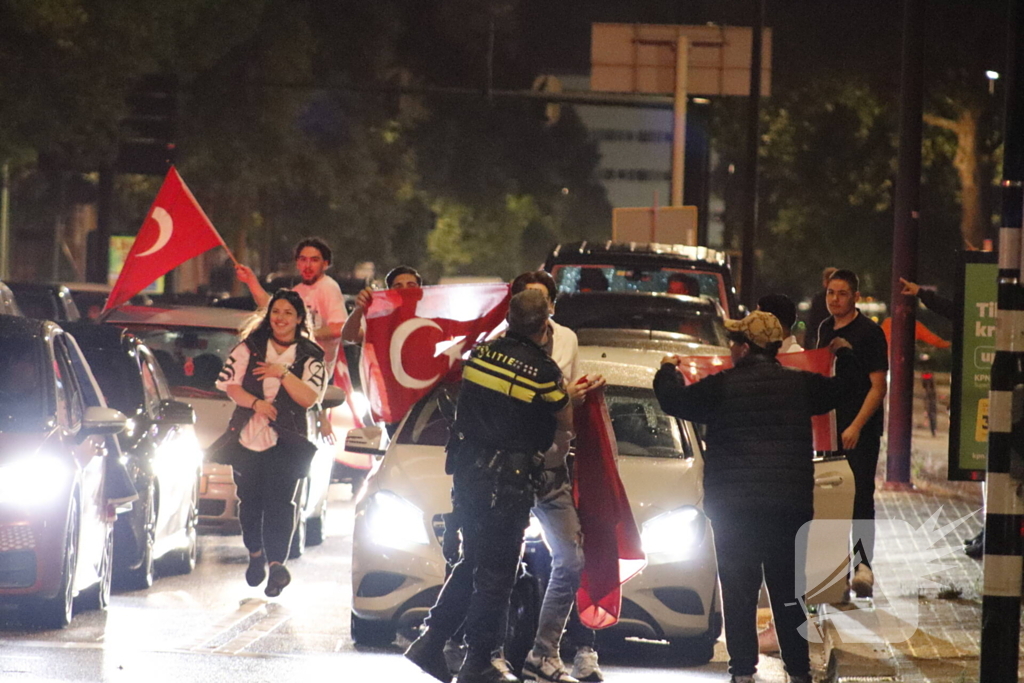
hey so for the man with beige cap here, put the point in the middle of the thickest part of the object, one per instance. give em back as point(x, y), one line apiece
point(758, 478)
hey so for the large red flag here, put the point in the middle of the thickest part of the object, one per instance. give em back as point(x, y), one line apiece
point(175, 230)
point(695, 368)
point(416, 337)
point(611, 540)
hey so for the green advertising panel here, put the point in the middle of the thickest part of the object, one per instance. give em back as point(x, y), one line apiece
point(974, 348)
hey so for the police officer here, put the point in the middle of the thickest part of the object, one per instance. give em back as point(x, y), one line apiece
point(511, 401)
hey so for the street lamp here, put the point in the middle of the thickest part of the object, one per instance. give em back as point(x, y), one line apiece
point(992, 77)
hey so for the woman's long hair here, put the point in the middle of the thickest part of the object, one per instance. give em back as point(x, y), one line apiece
point(259, 327)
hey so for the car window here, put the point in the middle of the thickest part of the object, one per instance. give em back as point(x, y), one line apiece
point(429, 420)
point(23, 363)
point(191, 357)
point(72, 407)
point(606, 278)
point(117, 377)
point(37, 303)
point(162, 388)
point(641, 428)
point(149, 390)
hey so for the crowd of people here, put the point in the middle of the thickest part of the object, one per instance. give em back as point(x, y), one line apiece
point(508, 450)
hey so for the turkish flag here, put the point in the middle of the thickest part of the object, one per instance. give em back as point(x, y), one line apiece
point(175, 230)
point(821, 361)
point(417, 337)
point(611, 540)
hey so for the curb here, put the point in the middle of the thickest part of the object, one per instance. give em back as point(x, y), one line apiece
point(853, 661)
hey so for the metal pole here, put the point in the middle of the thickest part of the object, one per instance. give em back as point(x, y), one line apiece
point(5, 221)
point(99, 255)
point(679, 120)
point(1001, 591)
point(904, 255)
point(753, 134)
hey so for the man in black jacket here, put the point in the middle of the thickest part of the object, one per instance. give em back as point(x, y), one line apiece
point(758, 479)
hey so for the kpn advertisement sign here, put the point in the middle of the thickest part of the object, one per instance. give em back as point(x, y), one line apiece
point(974, 349)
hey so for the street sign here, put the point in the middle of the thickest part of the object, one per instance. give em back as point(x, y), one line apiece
point(641, 58)
point(974, 348)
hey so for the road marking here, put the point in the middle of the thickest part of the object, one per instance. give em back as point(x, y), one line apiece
point(258, 631)
point(250, 610)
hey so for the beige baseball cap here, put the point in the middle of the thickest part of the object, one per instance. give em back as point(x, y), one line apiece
point(760, 327)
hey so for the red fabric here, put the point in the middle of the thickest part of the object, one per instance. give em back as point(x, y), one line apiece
point(696, 368)
point(921, 334)
point(175, 230)
point(343, 380)
point(611, 540)
point(416, 337)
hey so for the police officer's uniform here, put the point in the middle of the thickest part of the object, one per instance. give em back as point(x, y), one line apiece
point(511, 391)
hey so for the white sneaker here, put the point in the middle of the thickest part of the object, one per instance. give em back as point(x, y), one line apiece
point(584, 666)
point(546, 669)
point(863, 581)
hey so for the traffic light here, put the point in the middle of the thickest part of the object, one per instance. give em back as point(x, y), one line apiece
point(148, 133)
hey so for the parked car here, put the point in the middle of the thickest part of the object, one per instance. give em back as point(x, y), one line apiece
point(45, 301)
point(634, 267)
point(161, 453)
point(397, 561)
point(90, 297)
point(56, 528)
point(191, 344)
point(8, 304)
point(650, 315)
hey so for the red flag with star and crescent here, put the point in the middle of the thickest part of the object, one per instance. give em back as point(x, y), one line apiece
point(416, 338)
point(175, 230)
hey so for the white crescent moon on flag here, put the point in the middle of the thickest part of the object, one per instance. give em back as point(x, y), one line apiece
point(402, 333)
point(166, 223)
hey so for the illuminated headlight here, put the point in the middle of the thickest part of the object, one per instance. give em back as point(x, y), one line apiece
point(676, 533)
point(32, 481)
point(394, 522)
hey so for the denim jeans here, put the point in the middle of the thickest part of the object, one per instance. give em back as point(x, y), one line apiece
point(557, 515)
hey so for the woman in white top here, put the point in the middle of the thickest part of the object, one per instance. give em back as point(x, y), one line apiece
point(274, 376)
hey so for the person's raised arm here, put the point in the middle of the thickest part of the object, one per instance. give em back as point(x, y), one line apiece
point(694, 402)
point(247, 276)
point(352, 331)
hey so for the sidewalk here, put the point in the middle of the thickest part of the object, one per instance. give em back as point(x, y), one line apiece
point(924, 623)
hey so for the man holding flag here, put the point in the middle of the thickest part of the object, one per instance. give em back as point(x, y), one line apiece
point(758, 478)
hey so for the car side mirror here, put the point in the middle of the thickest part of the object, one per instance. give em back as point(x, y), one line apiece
point(333, 397)
point(102, 421)
point(176, 413)
point(365, 440)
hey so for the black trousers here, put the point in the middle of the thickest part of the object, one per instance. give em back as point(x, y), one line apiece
point(493, 512)
point(864, 462)
point(266, 507)
point(754, 543)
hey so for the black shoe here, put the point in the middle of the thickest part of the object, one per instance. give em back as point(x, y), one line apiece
point(485, 673)
point(428, 654)
point(257, 570)
point(279, 578)
point(975, 547)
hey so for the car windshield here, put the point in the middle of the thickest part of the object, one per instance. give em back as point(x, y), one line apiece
point(22, 379)
point(37, 303)
point(641, 428)
point(697, 320)
point(600, 278)
point(191, 357)
point(118, 377)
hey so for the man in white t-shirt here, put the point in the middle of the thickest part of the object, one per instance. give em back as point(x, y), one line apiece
point(321, 294)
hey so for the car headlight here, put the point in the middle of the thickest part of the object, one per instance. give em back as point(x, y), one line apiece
point(35, 480)
point(676, 533)
point(394, 522)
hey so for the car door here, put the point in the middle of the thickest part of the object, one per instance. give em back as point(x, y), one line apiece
point(828, 538)
point(88, 452)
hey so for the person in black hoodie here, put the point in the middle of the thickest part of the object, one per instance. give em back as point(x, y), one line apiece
point(274, 376)
point(758, 478)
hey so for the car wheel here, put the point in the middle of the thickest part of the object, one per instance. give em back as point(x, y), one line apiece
point(183, 561)
point(372, 632)
point(523, 613)
point(56, 612)
point(142, 576)
point(316, 527)
point(98, 596)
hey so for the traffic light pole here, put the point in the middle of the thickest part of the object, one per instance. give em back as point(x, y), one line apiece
point(1004, 509)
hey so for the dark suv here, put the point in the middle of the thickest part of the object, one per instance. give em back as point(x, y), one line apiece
point(633, 267)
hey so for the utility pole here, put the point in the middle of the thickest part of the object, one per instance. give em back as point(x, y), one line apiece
point(904, 253)
point(1001, 589)
point(753, 138)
